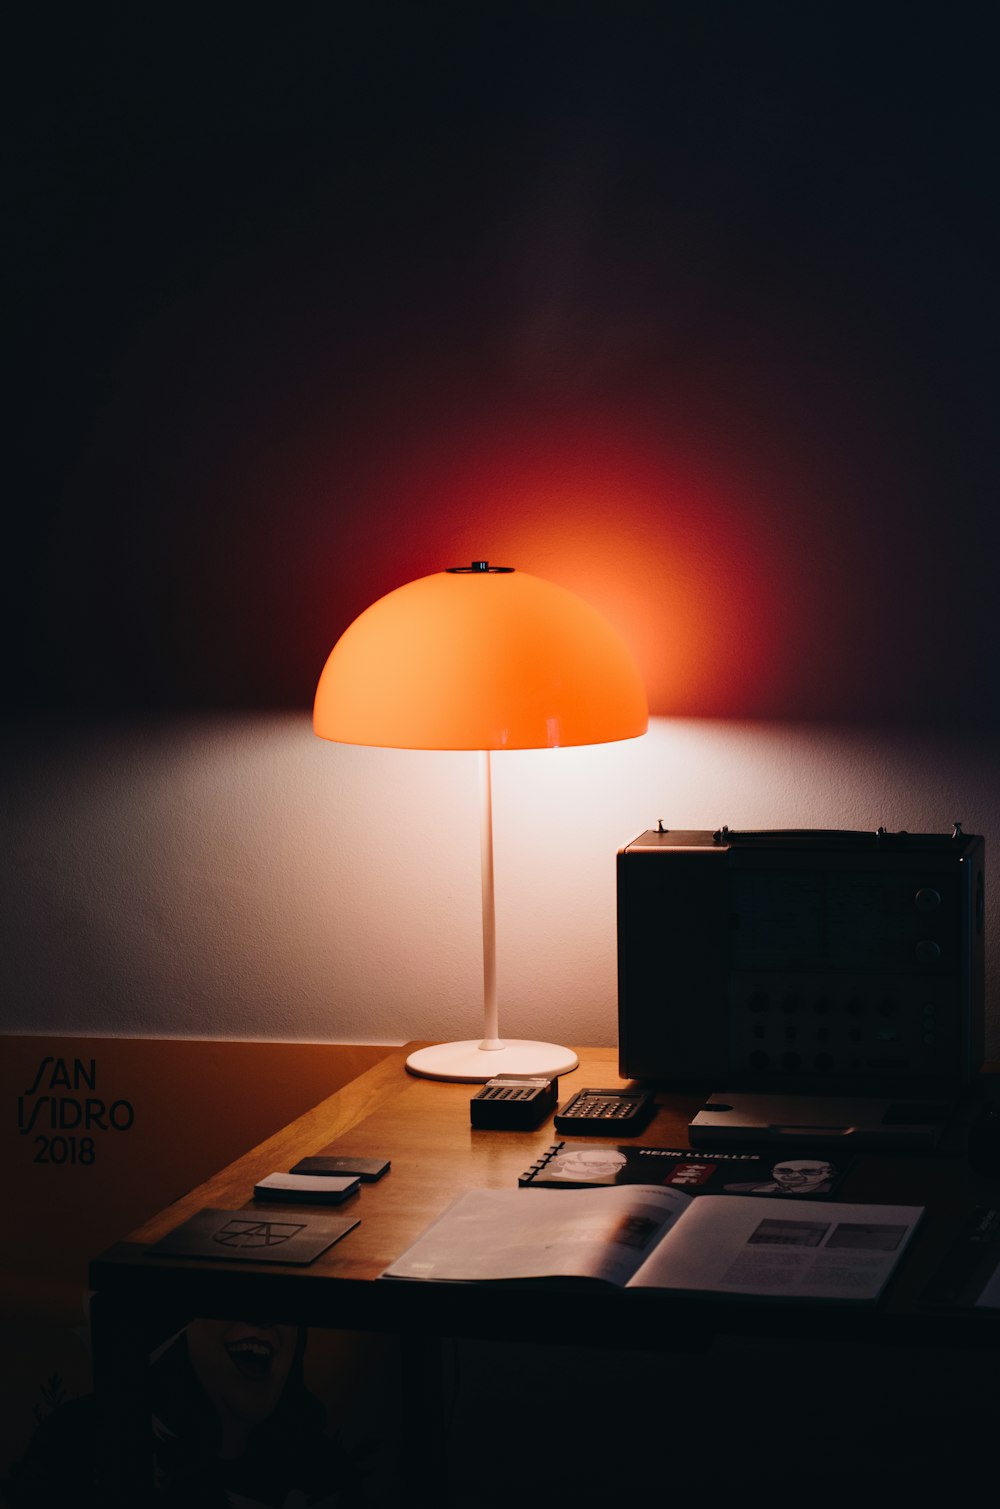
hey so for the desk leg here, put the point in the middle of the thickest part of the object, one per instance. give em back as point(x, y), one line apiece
point(124, 1445)
point(422, 1409)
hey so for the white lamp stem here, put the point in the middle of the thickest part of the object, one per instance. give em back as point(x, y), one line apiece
point(473, 1061)
point(491, 1038)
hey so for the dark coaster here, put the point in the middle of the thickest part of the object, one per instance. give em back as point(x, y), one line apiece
point(244, 1236)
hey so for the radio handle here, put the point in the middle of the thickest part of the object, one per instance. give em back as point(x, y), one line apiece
point(828, 837)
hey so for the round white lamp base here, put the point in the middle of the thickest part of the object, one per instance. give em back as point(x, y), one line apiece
point(468, 1063)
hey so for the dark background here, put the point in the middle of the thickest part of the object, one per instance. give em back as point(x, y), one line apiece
point(691, 307)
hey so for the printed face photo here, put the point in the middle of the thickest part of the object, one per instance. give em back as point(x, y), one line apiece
point(800, 1175)
point(595, 1164)
point(792, 1176)
point(242, 1365)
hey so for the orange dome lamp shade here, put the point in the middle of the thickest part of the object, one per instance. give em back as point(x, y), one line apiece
point(482, 658)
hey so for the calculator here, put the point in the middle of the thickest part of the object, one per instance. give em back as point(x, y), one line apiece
point(518, 1101)
point(606, 1113)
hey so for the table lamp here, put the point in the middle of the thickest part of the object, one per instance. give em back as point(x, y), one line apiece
point(482, 658)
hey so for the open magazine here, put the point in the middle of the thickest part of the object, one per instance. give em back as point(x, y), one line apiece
point(645, 1236)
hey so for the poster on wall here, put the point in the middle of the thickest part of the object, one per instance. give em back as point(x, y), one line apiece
point(93, 1147)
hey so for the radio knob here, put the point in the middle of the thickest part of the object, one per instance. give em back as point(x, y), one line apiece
point(927, 899)
point(927, 951)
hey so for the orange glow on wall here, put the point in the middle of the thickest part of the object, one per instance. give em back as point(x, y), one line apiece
point(732, 550)
point(651, 533)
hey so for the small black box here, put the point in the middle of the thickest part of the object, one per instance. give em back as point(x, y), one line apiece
point(513, 1102)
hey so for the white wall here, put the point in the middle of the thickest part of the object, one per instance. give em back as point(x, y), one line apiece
point(237, 877)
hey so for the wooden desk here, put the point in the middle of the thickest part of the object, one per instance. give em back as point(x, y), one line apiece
point(424, 1127)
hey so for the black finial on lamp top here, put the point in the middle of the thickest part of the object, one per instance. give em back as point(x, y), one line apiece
point(476, 569)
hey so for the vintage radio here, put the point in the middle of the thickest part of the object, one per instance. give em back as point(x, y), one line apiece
point(817, 960)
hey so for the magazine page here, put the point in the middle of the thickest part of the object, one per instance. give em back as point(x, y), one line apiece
point(490, 1234)
point(759, 1246)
